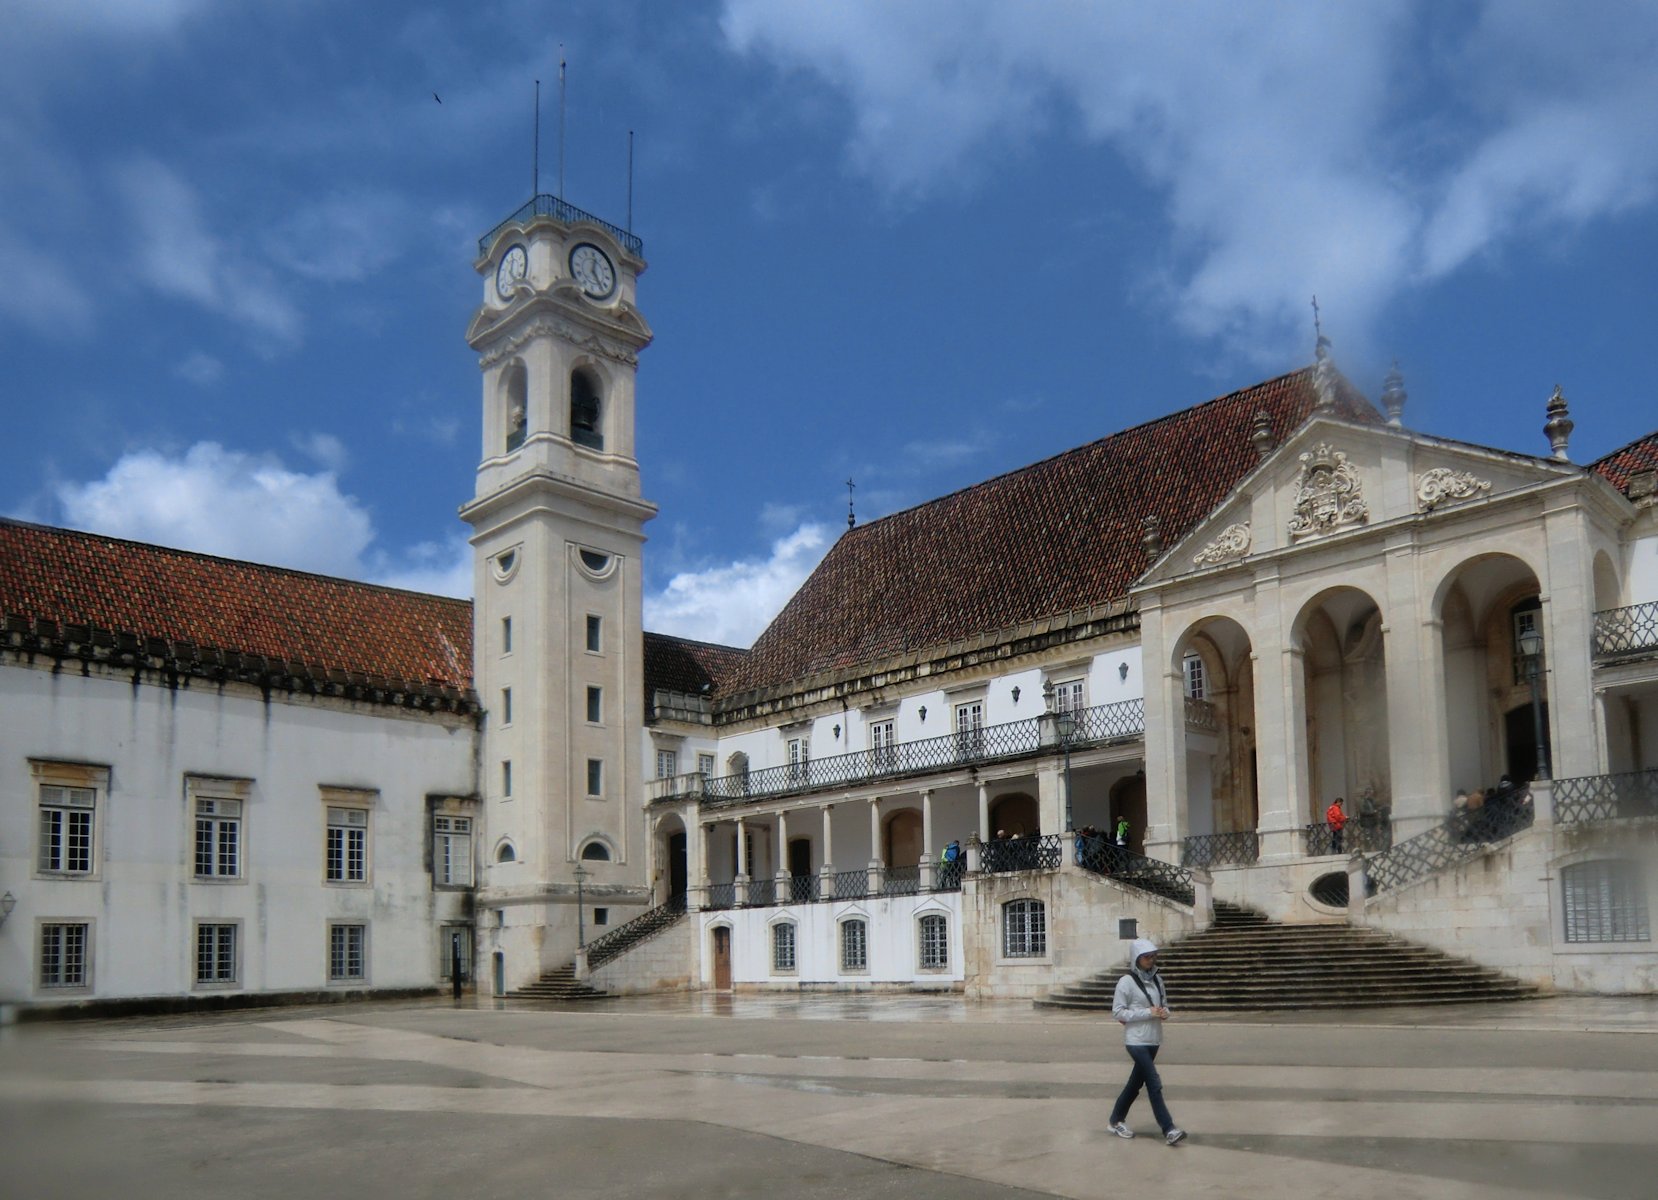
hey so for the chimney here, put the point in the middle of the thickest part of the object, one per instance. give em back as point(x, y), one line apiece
point(1393, 396)
point(1559, 426)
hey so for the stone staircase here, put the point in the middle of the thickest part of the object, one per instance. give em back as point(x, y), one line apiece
point(558, 984)
point(561, 982)
point(1246, 962)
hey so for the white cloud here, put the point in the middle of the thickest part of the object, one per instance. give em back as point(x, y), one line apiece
point(201, 369)
point(326, 450)
point(733, 602)
point(251, 506)
point(1341, 150)
point(343, 238)
point(177, 253)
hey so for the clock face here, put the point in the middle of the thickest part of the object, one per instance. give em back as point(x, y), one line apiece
point(590, 267)
point(515, 264)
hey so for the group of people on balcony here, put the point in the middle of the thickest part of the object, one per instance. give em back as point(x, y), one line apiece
point(1486, 814)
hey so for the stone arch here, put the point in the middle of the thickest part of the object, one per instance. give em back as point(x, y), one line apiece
point(596, 848)
point(587, 406)
point(1344, 672)
point(671, 847)
point(1016, 814)
point(1217, 734)
point(505, 851)
point(901, 838)
point(515, 404)
point(1608, 589)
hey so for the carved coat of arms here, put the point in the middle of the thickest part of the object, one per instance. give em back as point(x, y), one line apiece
point(1328, 494)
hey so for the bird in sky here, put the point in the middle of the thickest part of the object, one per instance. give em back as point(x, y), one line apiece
point(437, 97)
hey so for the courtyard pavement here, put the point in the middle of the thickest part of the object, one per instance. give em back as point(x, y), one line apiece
point(819, 1096)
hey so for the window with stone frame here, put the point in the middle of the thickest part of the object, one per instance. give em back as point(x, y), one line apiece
point(68, 823)
point(705, 765)
point(451, 850)
point(1605, 901)
point(1024, 929)
point(970, 727)
point(854, 945)
point(345, 852)
point(783, 947)
point(65, 954)
point(218, 838)
point(933, 930)
point(882, 746)
point(667, 764)
point(1070, 696)
point(347, 952)
point(1196, 684)
point(800, 759)
point(216, 953)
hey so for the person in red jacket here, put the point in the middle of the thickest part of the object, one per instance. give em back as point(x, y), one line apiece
point(1337, 821)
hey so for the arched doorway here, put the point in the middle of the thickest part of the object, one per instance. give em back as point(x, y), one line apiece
point(1015, 815)
point(1214, 671)
point(1128, 799)
point(903, 839)
point(1339, 634)
point(673, 862)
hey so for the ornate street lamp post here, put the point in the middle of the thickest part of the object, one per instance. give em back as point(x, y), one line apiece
point(580, 874)
point(1531, 649)
point(1065, 725)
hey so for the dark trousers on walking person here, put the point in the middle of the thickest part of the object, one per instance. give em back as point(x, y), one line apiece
point(1144, 1075)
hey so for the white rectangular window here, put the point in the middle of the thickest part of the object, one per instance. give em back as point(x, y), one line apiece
point(215, 953)
point(347, 849)
point(347, 953)
point(1196, 686)
point(935, 942)
point(506, 635)
point(595, 777)
point(63, 955)
point(595, 633)
point(970, 728)
point(854, 945)
point(881, 745)
point(66, 825)
point(452, 851)
point(667, 764)
point(800, 757)
point(506, 706)
point(595, 705)
point(705, 764)
point(218, 838)
point(506, 778)
point(1069, 696)
point(782, 946)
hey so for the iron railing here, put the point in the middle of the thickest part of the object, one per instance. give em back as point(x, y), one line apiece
point(901, 881)
point(762, 892)
point(1217, 849)
point(1104, 723)
point(1590, 798)
point(1122, 865)
point(1040, 853)
point(1465, 836)
point(851, 885)
point(947, 875)
point(802, 889)
point(722, 895)
point(625, 936)
point(546, 205)
point(1320, 839)
point(1627, 631)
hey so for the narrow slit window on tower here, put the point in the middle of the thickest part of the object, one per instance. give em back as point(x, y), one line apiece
point(595, 777)
point(586, 428)
point(506, 777)
point(506, 706)
point(595, 705)
point(506, 635)
point(594, 627)
point(516, 392)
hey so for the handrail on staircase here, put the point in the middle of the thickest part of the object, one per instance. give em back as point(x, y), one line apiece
point(1122, 865)
point(1463, 837)
point(619, 940)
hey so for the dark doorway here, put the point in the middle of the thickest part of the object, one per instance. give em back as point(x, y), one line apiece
point(1521, 737)
point(722, 958)
point(800, 857)
point(1015, 815)
point(1128, 799)
point(676, 865)
point(500, 973)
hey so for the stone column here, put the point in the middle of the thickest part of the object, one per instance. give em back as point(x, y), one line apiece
point(877, 860)
point(826, 873)
point(1568, 648)
point(926, 881)
point(785, 888)
point(1050, 797)
point(1280, 707)
point(985, 831)
point(740, 884)
point(1203, 898)
point(696, 855)
point(1165, 741)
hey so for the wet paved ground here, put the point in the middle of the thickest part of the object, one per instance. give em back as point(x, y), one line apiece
point(822, 1096)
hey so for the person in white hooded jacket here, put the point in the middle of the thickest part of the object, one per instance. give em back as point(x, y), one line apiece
point(1141, 1005)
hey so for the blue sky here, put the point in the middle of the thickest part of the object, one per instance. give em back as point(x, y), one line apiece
point(914, 243)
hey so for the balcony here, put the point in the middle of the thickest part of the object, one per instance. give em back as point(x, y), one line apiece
point(1592, 799)
point(1625, 633)
point(551, 206)
point(1102, 725)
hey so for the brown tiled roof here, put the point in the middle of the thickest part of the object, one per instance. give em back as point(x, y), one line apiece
point(1640, 455)
point(1058, 535)
point(70, 578)
point(681, 665)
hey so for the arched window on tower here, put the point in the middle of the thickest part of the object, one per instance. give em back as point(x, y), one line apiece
point(515, 390)
point(586, 416)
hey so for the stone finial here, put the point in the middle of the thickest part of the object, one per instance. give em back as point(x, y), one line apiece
point(1260, 434)
point(1324, 375)
point(1559, 425)
point(1393, 396)
point(1151, 536)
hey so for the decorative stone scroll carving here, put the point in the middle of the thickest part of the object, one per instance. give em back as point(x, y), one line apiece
point(1328, 495)
point(1232, 544)
point(542, 326)
point(1442, 486)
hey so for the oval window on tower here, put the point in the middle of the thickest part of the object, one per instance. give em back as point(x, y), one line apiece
point(595, 562)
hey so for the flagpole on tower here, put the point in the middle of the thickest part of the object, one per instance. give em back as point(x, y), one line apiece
point(561, 120)
point(535, 179)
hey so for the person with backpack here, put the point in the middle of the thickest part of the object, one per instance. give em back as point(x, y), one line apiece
point(1337, 821)
point(1141, 1005)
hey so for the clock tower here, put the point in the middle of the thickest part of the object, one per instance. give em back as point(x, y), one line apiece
point(557, 529)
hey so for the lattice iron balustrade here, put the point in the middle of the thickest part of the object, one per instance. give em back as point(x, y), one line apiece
point(1219, 849)
point(802, 889)
point(1123, 866)
point(1590, 798)
point(1021, 854)
point(1320, 839)
point(722, 895)
point(762, 892)
point(546, 205)
point(947, 875)
point(1123, 720)
point(1627, 631)
point(901, 881)
point(1463, 837)
point(851, 885)
point(613, 944)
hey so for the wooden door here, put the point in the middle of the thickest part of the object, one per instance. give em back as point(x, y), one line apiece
point(722, 958)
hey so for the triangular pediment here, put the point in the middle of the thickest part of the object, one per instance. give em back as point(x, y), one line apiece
point(1333, 477)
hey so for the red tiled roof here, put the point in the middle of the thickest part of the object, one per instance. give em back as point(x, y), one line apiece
point(1640, 455)
point(681, 665)
point(76, 578)
point(1060, 534)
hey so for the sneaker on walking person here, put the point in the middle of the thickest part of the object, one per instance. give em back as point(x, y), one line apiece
point(1141, 1005)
